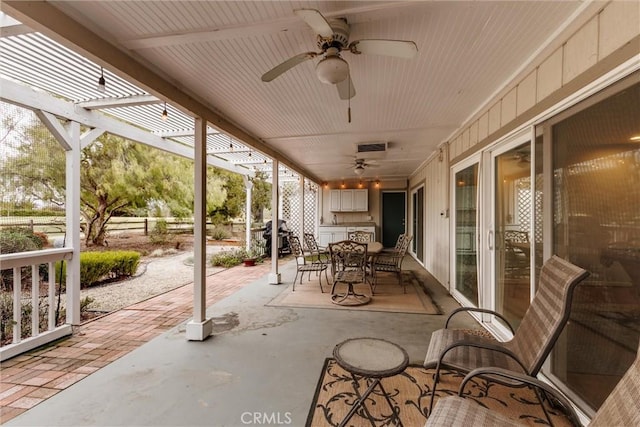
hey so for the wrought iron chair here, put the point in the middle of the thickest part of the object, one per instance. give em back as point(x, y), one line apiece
point(517, 250)
point(349, 266)
point(619, 409)
point(539, 329)
point(398, 245)
point(391, 262)
point(320, 255)
point(305, 266)
point(360, 236)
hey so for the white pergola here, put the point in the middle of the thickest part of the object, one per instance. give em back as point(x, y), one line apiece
point(61, 88)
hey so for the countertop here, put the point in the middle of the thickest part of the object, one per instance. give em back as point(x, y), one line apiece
point(350, 224)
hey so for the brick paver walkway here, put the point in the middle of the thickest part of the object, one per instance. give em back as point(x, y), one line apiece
point(33, 377)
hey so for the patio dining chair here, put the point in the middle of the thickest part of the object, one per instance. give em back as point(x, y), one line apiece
point(318, 254)
point(619, 409)
point(360, 236)
point(391, 262)
point(348, 266)
point(398, 245)
point(539, 329)
point(305, 266)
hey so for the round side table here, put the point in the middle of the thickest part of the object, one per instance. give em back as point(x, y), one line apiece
point(370, 359)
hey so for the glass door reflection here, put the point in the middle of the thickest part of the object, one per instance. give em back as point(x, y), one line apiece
point(512, 186)
point(466, 270)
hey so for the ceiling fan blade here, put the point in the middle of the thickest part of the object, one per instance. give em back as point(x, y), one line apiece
point(398, 48)
point(346, 89)
point(316, 21)
point(287, 65)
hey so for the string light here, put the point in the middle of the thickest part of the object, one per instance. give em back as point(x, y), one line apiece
point(101, 82)
point(165, 115)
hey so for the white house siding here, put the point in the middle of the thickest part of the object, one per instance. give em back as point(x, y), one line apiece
point(607, 39)
point(434, 176)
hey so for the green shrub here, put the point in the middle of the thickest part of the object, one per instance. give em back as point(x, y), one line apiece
point(44, 239)
point(227, 259)
point(13, 240)
point(219, 233)
point(99, 266)
point(6, 317)
point(160, 233)
point(19, 239)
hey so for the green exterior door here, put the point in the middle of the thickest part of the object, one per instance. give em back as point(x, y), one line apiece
point(393, 216)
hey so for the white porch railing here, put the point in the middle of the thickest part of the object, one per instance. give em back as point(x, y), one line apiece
point(16, 261)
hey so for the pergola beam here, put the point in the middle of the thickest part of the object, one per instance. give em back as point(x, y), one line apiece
point(46, 18)
point(115, 102)
point(47, 106)
point(183, 132)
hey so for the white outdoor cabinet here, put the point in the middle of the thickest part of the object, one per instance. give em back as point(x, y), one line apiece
point(346, 200)
point(333, 234)
point(350, 200)
point(361, 200)
point(328, 235)
point(335, 200)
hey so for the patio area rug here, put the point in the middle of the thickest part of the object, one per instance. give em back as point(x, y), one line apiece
point(410, 393)
point(388, 296)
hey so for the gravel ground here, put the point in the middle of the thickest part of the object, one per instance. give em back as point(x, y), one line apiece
point(155, 276)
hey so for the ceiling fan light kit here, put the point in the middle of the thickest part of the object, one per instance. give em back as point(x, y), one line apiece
point(332, 70)
point(358, 170)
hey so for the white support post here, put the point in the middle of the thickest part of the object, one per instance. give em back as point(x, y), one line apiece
point(199, 327)
point(72, 208)
point(249, 186)
point(274, 276)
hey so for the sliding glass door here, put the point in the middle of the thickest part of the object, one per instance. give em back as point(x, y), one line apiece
point(464, 278)
point(595, 223)
point(511, 244)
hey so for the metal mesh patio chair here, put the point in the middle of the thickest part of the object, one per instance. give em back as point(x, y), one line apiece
point(619, 409)
point(539, 329)
point(304, 265)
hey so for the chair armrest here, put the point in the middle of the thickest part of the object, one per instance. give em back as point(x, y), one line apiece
point(525, 380)
point(482, 345)
point(480, 310)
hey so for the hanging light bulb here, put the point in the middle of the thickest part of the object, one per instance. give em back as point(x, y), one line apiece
point(101, 82)
point(165, 115)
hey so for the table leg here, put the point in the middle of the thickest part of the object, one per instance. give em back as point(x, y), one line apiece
point(361, 402)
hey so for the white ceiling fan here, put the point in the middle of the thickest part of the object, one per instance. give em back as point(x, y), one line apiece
point(359, 166)
point(333, 38)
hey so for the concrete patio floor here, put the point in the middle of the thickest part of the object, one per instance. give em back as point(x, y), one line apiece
point(261, 366)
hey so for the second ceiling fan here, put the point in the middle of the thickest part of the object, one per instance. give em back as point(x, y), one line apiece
point(333, 38)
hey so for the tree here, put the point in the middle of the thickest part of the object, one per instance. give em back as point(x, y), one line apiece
point(119, 176)
point(261, 196)
point(234, 190)
point(116, 177)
